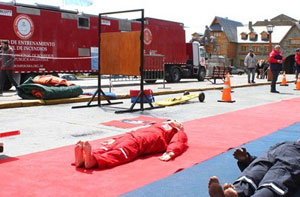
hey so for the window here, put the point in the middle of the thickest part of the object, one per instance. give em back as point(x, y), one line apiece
point(253, 36)
point(264, 36)
point(244, 36)
point(294, 41)
point(218, 49)
point(244, 49)
point(266, 49)
point(83, 23)
point(256, 49)
point(217, 34)
point(242, 63)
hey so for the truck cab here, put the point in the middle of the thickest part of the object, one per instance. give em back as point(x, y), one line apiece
point(196, 61)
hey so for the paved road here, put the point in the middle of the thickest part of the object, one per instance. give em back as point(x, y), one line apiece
point(51, 126)
point(122, 88)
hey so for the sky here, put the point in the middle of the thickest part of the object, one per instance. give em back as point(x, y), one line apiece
point(195, 14)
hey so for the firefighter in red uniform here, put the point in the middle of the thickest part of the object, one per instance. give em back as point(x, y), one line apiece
point(297, 63)
point(276, 60)
point(167, 137)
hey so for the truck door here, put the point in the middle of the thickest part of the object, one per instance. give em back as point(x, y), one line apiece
point(202, 56)
point(199, 67)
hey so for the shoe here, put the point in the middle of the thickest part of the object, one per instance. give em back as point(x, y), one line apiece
point(253, 81)
point(1, 94)
point(274, 91)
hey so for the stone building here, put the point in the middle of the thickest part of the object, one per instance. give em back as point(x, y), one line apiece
point(286, 32)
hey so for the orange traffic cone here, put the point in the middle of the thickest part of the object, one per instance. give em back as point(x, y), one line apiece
point(298, 83)
point(226, 96)
point(283, 82)
point(227, 81)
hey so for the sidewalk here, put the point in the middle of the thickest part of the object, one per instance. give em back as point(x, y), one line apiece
point(122, 88)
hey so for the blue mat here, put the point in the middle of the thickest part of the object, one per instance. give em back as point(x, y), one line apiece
point(193, 181)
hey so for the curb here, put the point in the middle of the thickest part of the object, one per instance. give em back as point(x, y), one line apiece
point(29, 103)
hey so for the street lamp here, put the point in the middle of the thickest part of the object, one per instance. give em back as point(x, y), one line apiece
point(270, 30)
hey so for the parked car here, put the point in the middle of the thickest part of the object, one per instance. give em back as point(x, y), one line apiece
point(68, 77)
point(236, 71)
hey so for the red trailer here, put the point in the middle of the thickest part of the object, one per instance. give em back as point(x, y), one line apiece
point(181, 59)
point(47, 39)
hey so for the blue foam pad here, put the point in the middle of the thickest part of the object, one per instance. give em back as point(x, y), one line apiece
point(150, 98)
point(111, 95)
point(193, 181)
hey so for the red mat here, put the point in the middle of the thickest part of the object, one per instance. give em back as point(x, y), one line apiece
point(49, 173)
point(134, 122)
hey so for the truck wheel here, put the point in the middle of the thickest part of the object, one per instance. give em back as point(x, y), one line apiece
point(175, 74)
point(201, 97)
point(202, 74)
point(150, 81)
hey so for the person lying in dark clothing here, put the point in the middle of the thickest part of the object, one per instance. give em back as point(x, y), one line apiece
point(275, 173)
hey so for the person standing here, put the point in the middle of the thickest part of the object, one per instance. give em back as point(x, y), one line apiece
point(250, 64)
point(297, 62)
point(7, 58)
point(276, 60)
point(259, 69)
point(266, 67)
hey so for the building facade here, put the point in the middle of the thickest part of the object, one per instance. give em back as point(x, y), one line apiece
point(225, 32)
point(286, 32)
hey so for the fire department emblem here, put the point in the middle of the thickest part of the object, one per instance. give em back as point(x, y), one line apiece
point(147, 36)
point(23, 26)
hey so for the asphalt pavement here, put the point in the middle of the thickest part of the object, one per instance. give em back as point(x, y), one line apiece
point(122, 87)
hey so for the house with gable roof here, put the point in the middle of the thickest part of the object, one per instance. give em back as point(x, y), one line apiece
point(225, 32)
point(234, 40)
point(286, 33)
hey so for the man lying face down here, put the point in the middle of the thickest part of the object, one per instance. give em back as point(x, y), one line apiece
point(275, 173)
point(168, 138)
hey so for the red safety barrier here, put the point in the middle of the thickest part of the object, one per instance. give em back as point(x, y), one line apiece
point(9, 133)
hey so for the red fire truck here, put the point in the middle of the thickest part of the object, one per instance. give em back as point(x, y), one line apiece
point(47, 39)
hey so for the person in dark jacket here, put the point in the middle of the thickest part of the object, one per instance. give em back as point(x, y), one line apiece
point(168, 137)
point(7, 58)
point(275, 173)
point(276, 60)
point(266, 67)
point(297, 62)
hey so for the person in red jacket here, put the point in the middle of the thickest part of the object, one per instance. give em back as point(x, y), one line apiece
point(297, 62)
point(168, 137)
point(276, 60)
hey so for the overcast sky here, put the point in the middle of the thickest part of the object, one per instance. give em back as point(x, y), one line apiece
point(195, 14)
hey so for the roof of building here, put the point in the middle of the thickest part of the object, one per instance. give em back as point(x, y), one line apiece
point(229, 27)
point(274, 23)
point(283, 17)
point(277, 35)
point(280, 20)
